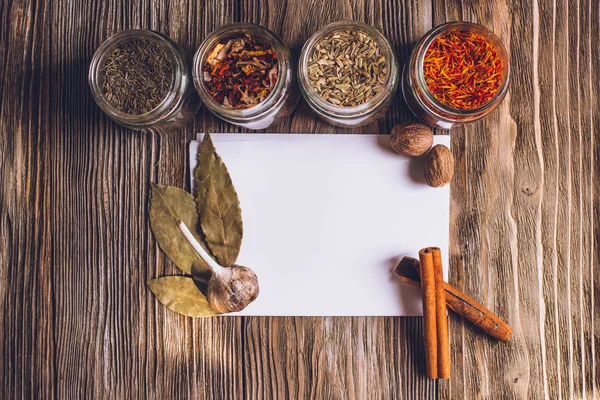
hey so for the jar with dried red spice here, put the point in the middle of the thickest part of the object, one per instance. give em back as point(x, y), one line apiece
point(244, 75)
point(457, 73)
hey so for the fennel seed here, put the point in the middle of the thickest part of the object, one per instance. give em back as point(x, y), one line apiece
point(347, 68)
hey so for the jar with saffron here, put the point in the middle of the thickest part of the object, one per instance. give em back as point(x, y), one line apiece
point(348, 73)
point(244, 75)
point(142, 80)
point(457, 73)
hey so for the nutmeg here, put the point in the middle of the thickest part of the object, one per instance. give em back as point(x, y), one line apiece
point(411, 138)
point(439, 166)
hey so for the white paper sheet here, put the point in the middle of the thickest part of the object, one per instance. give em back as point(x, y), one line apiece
point(328, 217)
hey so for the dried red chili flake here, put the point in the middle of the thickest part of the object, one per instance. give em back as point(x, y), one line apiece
point(463, 69)
point(240, 71)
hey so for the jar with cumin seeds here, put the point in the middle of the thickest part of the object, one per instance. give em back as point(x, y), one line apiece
point(458, 72)
point(244, 75)
point(348, 73)
point(142, 80)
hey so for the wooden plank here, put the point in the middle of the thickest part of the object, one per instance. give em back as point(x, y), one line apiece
point(352, 358)
point(582, 115)
point(335, 358)
point(26, 310)
point(112, 337)
point(524, 241)
point(553, 52)
point(594, 251)
point(76, 319)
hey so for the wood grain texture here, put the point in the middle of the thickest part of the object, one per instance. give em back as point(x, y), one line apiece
point(76, 320)
point(335, 358)
point(524, 237)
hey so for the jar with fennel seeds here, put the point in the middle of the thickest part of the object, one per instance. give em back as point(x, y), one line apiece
point(457, 73)
point(142, 80)
point(348, 73)
point(244, 75)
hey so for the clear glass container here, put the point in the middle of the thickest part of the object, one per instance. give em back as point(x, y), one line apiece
point(362, 114)
point(277, 105)
point(181, 101)
point(420, 100)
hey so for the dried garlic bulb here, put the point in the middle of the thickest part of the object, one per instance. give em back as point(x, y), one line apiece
point(231, 287)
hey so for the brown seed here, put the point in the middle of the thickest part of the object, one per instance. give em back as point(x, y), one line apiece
point(411, 138)
point(339, 59)
point(439, 166)
point(136, 76)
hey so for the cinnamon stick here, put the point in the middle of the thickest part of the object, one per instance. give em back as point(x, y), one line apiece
point(443, 347)
point(409, 271)
point(429, 312)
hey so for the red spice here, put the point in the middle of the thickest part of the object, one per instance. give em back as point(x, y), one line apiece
point(240, 71)
point(463, 69)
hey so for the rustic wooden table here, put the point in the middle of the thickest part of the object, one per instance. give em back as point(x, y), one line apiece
point(77, 321)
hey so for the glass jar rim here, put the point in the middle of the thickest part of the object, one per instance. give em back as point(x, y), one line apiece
point(100, 56)
point(351, 112)
point(433, 34)
point(283, 63)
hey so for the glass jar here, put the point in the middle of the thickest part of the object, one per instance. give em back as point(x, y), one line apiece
point(179, 105)
point(361, 114)
point(421, 101)
point(278, 104)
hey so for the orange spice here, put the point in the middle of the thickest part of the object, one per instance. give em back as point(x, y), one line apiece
point(463, 69)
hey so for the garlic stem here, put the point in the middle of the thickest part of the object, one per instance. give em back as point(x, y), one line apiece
point(212, 264)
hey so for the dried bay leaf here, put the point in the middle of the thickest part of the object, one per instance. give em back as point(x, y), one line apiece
point(168, 204)
point(180, 294)
point(218, 205)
